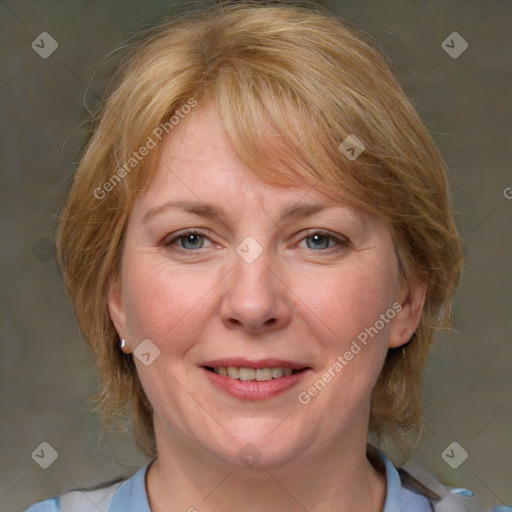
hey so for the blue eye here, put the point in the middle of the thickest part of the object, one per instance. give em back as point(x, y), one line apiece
point(191, 241)
point(321, 241)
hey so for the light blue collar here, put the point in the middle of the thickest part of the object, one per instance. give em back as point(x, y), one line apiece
point(131, 495)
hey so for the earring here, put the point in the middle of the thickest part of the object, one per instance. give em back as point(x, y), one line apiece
point(410, 339)
point(122, 344)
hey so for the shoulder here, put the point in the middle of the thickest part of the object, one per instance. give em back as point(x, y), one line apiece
point(121, 495)
point(416, 501)
point(97, 500)
point(441, 498)
point(404, 493)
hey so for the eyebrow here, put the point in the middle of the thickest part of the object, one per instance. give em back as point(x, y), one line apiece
point(202, 209)
point(209, 210)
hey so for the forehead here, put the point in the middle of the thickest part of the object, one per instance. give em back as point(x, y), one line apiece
point(197, 162)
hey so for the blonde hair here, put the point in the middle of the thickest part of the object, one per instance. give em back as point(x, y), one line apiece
point(290, 84)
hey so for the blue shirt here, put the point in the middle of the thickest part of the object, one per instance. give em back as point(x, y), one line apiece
point(131, 496)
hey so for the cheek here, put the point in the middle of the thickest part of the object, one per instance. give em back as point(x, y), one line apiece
point(350, 304)
point(163, 303)
point(349, 300)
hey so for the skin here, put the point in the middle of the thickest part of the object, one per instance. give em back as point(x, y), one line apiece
point(303, 299)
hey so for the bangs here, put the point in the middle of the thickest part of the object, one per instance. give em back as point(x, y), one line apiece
point(273, 130)
point(283, 138)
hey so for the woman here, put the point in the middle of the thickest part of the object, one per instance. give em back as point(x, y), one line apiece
point(258, 245)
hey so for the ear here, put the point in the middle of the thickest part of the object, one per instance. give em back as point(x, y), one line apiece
point(116, 308)
point(411, 297)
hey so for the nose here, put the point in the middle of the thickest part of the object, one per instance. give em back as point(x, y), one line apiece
point(256, 299)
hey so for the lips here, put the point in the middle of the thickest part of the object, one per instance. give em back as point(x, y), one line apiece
point(254, 380)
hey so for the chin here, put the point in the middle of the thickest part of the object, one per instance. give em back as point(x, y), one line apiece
point(260, 446)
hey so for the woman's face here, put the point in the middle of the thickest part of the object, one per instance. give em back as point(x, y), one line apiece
point(271, 278)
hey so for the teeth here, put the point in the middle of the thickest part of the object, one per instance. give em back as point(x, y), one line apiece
point(247, 374)
point(277, 372)
point(233, 372)
point(263, 374)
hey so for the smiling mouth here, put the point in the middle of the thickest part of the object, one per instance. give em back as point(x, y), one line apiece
point(254, 374)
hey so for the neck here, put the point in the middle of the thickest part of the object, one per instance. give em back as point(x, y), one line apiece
point(338, 478)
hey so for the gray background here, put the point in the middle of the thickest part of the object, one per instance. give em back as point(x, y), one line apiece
point(46, 373)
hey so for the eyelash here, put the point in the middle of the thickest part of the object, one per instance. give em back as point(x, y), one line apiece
point(340, 242)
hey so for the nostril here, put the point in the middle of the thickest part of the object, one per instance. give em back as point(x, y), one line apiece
point(252, 324)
